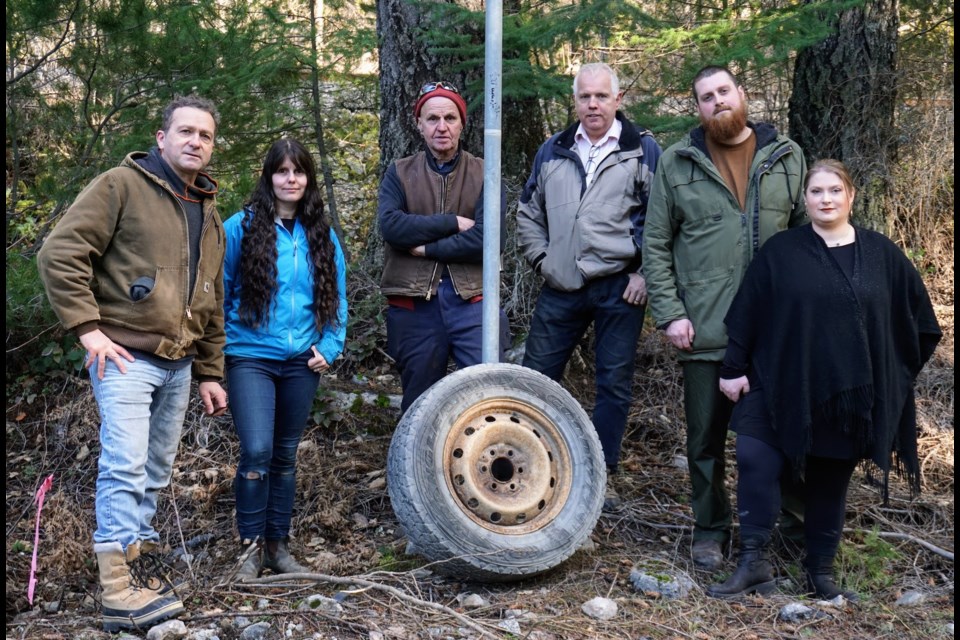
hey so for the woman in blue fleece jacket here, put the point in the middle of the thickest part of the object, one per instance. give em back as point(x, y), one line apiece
point(285, 310)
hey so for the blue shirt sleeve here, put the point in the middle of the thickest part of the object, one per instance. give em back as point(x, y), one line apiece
point(404, 230)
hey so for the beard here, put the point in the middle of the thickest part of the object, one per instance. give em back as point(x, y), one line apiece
point(725, 127)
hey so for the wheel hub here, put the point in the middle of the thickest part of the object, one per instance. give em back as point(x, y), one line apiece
point(507, 466)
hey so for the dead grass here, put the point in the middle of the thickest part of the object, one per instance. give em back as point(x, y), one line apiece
point(345, 527)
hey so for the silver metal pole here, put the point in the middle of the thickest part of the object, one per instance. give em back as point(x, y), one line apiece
point(492, 135)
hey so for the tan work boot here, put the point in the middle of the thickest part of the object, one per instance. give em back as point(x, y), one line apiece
point(125, 605)
point(148, 570)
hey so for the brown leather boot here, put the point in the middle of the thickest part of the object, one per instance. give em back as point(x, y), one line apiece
point(125, 605)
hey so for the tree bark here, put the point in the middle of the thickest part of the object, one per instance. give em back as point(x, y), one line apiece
point(523, 126)
point(843, 102)
point(405, 65)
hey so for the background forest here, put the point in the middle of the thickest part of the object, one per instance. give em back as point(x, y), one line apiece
point(870, 82)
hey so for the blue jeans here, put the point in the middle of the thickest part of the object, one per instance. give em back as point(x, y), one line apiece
point(422, 340)
point(141, 414)
point(559, 321)
point(270, 402)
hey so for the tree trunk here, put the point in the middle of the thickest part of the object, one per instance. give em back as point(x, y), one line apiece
point(523, 126)
point(325, 169)
point(405, 65)
point(842, 107)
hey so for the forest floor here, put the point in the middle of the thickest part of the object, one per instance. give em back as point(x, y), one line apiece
point(345, 530)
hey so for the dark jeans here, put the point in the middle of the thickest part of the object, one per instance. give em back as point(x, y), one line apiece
point(270, 401)
point(760, 467)
point(559, 321)
point(423, 339)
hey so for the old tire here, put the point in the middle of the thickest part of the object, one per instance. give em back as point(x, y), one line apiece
point(496, 473)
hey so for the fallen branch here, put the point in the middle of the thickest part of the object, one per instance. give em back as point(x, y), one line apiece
point(910, 538)
point(353, 581)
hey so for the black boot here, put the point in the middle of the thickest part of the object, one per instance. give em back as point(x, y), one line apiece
point(820, 580)
point(754, 572)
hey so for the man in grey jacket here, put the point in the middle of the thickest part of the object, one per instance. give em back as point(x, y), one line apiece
point(719, 194)
point(580, 225)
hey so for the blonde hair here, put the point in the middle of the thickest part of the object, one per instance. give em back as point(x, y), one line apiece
point(835, 167)
point(596, 68)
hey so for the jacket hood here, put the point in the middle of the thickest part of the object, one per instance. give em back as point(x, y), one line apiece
point(154, 164)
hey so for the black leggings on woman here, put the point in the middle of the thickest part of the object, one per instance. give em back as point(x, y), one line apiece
point(760, 467)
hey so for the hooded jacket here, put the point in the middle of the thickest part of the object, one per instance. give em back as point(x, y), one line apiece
point(698, 241)
point(129, 224)
point(571, 233)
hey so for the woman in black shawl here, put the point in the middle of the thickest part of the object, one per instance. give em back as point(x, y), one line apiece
point(827, 333)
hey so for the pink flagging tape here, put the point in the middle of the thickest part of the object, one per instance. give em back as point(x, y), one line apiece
point(41, 494)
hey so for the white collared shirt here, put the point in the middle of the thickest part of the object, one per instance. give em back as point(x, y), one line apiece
point(607, 145)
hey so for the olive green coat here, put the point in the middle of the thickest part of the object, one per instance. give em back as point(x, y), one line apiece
point(697, 241)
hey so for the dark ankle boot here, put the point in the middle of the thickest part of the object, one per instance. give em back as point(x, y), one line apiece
point(276, 556)
point(820, 580)
point(754, 572)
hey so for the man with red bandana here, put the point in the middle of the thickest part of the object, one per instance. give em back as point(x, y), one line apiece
point(430, 212)
point(718, 194)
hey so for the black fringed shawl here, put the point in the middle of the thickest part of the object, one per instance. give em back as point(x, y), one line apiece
point(833, 350)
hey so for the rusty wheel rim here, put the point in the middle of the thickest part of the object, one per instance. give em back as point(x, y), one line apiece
point(507, 466)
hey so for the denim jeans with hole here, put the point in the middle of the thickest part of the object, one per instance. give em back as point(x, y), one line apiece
point(270, 401)
point(559, 321)
point(141, 417)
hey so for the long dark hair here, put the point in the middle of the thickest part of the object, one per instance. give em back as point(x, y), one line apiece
point(258, 249)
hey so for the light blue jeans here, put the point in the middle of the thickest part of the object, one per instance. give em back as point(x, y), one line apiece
point(141, 417)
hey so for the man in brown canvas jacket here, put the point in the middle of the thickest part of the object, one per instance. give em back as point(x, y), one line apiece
point(135, 269)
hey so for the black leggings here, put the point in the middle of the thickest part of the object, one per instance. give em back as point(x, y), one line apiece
point(760, 467)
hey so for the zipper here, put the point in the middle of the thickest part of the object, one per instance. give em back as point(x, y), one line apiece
point(762, 170)
point(433, 276)
point(186, 275)
point(441, 207)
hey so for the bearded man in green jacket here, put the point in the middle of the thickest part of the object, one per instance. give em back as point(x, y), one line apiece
point(717, 195)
